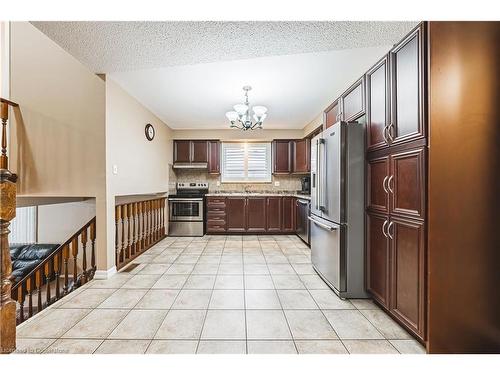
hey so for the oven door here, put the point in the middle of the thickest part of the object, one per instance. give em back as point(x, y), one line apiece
point(185, 209)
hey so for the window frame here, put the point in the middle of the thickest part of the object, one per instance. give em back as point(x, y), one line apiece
point(246, 179)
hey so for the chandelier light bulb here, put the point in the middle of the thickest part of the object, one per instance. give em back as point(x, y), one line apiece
point(241, 109)
point(232, 116)
point(259, 110)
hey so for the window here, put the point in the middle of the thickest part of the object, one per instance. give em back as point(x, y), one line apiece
point(23, 226)
point(246, 162)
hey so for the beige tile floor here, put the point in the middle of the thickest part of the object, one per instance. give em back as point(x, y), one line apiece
point(216, 294)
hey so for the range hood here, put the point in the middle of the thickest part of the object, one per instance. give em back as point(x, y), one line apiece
point(190, 165)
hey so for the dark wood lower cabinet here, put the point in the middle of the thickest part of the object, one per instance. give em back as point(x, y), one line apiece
point(396, 268)
point(288, 217)
point(274, 214)
point(378, 258)
point(236, 214)
point(256, 214)
point(408, 273)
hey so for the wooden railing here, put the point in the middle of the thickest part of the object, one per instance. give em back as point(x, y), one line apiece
point(68, 267)
point(7, 213)
point(139, 225)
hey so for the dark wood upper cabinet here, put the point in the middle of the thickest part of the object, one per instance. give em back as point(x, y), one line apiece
point(282, 156)
point(214, 157)
point(236, 214)
point(199, 151)
point(256, 214)
point(407, 81)
point(378, 258)
point(182, 151)
point(407, 183)
point(378, 173)
point(353, 101)
point(274, 214)
point(332, 114)
point(302, 155)
point(408, 273)
point(288, 217)
point(378, 105)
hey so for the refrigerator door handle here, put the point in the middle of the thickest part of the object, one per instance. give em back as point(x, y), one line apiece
point(322, 172)
point(320, 224)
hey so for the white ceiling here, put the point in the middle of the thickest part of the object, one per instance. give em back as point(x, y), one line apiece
point(190, 73)
point(294, 88)
point(108, 47)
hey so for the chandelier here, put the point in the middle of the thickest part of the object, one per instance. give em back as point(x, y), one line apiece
point(240, 118)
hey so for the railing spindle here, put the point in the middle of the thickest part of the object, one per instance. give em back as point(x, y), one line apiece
point(66, 271)
point(47, 273)
point(21, 295)
point(118, 215)
point(124, 243)
point(129, 231)
point(57, 273)
point(84, 256)
point(74, 249)
point(38, 280)
point(29, 285)
point(92, 241)
point(134, 229)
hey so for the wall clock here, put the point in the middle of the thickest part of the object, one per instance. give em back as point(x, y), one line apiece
point(150, 132)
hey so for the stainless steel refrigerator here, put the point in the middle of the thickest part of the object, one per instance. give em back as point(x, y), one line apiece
point(337, 208)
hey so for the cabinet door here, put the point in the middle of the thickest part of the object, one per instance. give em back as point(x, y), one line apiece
point(378, 173)
point(353, 101)
point(214, 157)
point(302, 155)
point(377, 105)
point(236, 214)
point(407, 80)
point(256, 214)
point(378, 259)
point(199, 152)
point(274, 212)
point(408, 273)
point(288, 217)
point(282, 156)
point(182, 151)
point(332, 114)
point(407, 183)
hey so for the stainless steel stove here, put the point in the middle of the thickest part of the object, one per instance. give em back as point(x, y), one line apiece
point(186, 209)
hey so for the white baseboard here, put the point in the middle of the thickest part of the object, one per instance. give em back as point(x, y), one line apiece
point(104, 274)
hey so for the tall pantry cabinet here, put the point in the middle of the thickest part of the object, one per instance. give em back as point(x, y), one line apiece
point(397, 182)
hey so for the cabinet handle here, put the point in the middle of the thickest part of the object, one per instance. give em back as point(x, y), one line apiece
point(383, 228)
point(383, 184)
point(389, 133)
point(389, 230)
point(389, 184)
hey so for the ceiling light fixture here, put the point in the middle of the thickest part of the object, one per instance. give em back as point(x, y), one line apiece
point(240, 118)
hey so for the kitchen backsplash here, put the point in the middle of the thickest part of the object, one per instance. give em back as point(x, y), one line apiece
point(286, 183)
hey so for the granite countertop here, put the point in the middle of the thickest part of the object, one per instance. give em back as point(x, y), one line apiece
point(258, 194)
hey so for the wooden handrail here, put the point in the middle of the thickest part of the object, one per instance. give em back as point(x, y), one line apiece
point(7, 213)
point(55, 266)
point(138, 226)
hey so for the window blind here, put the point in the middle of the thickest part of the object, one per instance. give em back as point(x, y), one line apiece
point(246, 162)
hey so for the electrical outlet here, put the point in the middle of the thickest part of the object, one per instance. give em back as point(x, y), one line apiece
point(115, 169)
point(276, 183)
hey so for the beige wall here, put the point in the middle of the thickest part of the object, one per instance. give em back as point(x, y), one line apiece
point(317, 121)
point(58, 135)
point(57, 222)
point(143, 166)
point(238, 135)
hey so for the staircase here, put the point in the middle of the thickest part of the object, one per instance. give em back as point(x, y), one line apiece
point(68, 267)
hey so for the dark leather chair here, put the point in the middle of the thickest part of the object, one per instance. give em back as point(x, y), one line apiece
point(25, 257)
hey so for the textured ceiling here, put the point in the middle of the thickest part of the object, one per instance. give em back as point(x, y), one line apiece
point(107, 47)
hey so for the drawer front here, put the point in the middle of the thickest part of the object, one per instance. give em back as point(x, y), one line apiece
point(216, 215)
point(216, 200)
point(216, 226)
point(216, 210)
